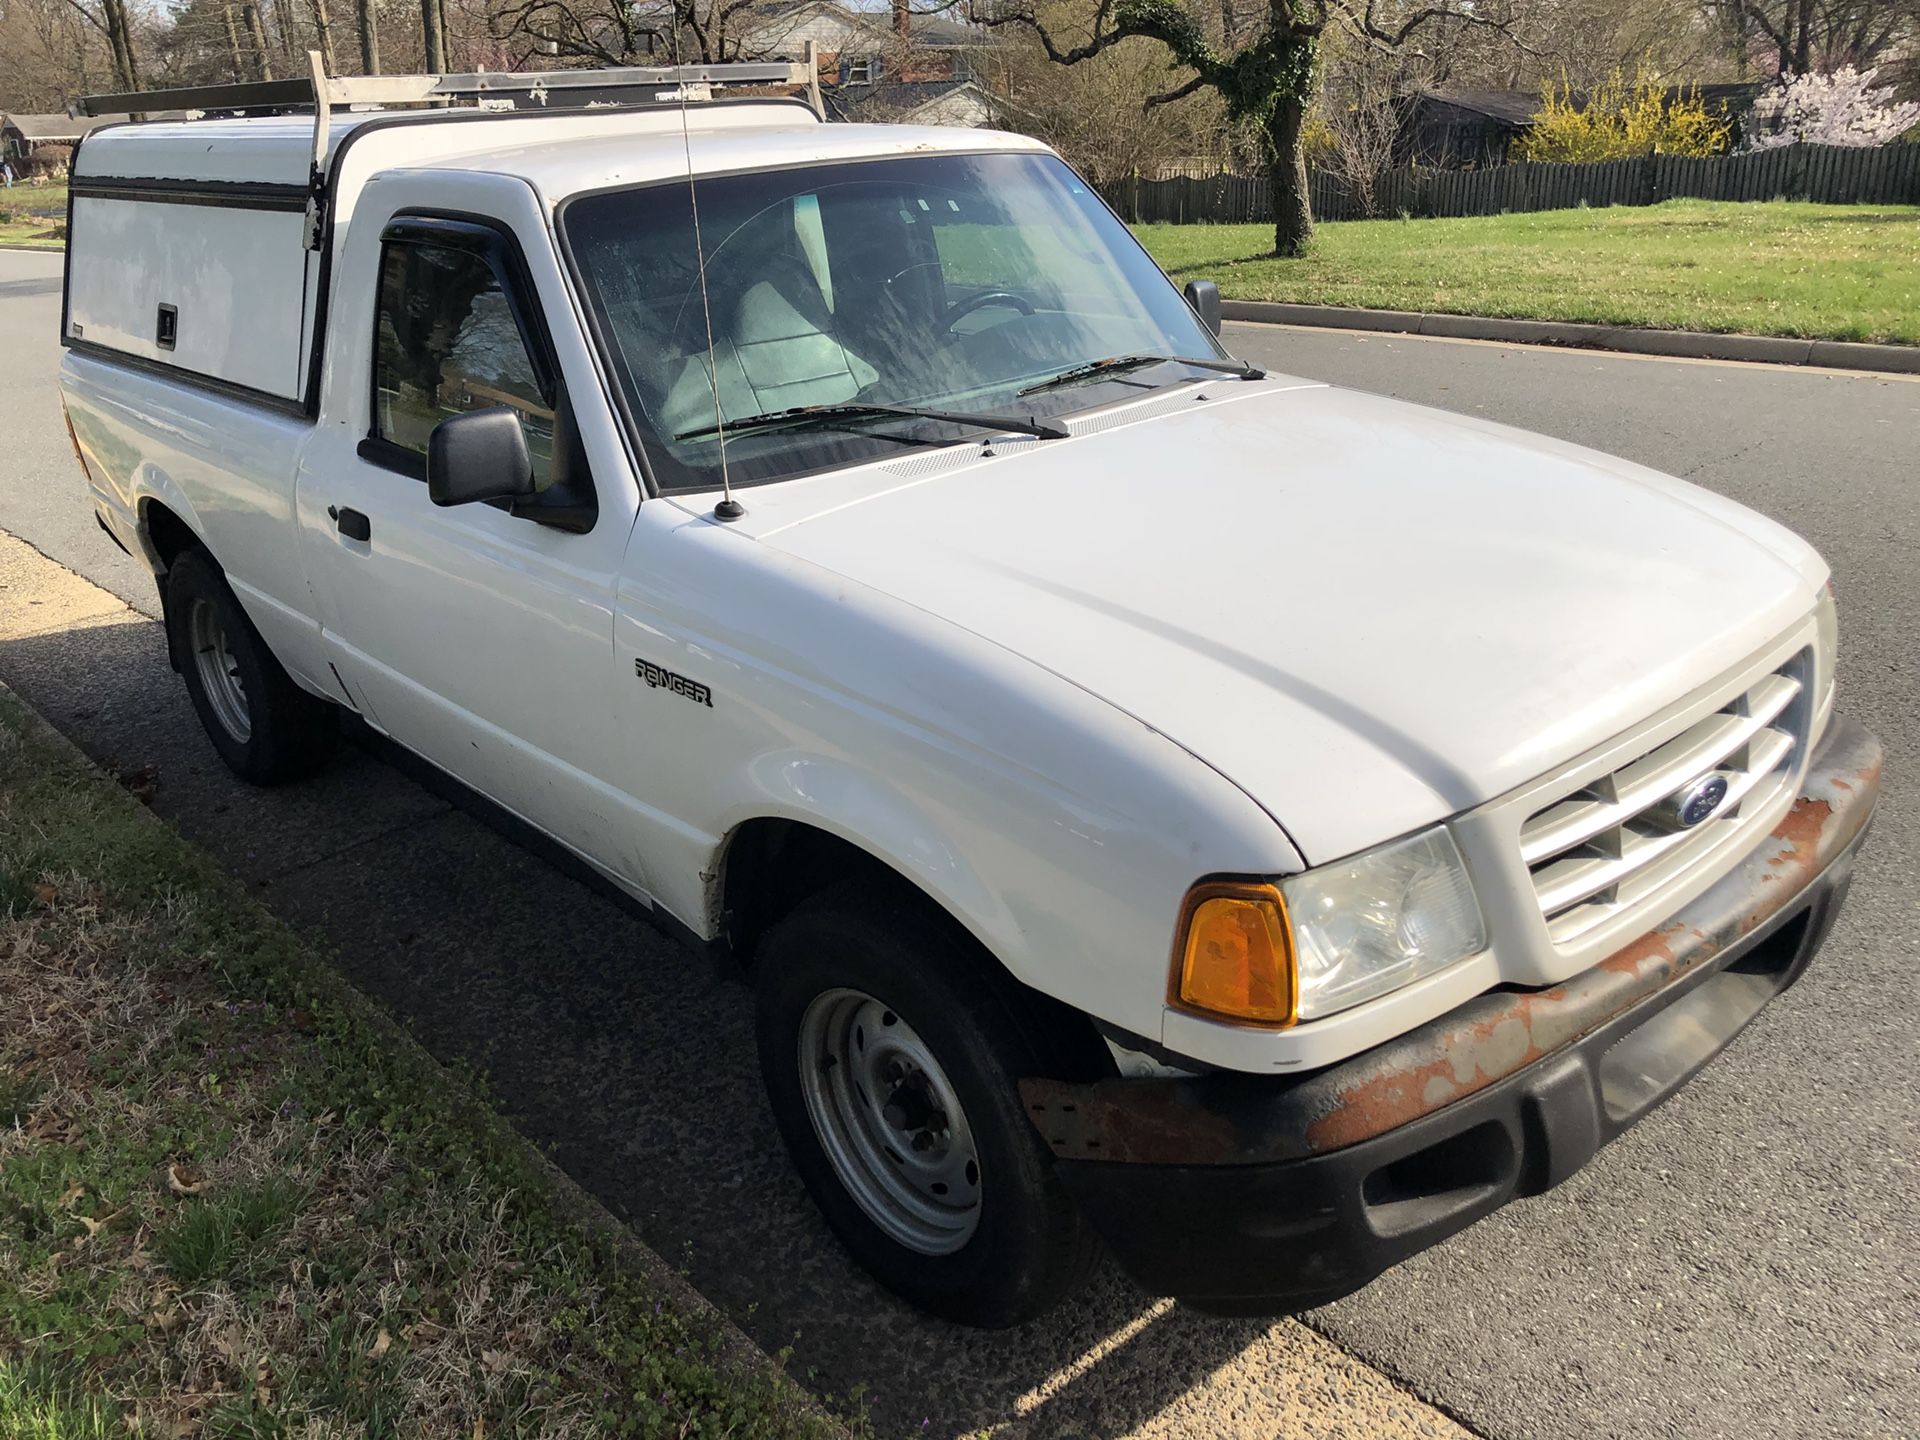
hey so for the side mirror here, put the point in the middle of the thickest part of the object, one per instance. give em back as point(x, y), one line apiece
point(1204, 297)
point(481, 455)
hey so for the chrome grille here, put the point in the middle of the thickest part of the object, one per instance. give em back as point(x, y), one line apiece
point(1612, 843)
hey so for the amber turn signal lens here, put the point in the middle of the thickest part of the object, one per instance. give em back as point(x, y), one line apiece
point(1236, 954)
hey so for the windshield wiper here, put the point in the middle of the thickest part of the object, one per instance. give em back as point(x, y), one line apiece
point(1113, 363)
point(803, 415)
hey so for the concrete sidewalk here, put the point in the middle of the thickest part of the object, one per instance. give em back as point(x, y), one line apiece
point(619, 1054)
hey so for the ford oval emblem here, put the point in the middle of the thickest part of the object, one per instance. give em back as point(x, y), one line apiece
point(1699, 800)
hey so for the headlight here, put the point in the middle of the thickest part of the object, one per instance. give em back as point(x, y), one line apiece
point(1328, 939)
point(1380, 920)
point(1826, 654)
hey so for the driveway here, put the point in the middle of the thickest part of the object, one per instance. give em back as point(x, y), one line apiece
point(1745, 1261)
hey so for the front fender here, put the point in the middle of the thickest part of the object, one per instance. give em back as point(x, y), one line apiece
point(833, 795)
point(1060, 832)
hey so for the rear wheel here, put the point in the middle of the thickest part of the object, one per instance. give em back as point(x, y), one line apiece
point(266, 728)
point(891, 1063)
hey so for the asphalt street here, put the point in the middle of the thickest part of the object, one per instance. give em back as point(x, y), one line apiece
point(1746, 1261)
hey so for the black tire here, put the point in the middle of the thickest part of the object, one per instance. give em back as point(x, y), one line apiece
point(288, 733)
point(1030, 1248)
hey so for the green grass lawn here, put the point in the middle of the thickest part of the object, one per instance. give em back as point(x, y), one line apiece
point(1844, 272)
point(235, 1201)
point(29, 212)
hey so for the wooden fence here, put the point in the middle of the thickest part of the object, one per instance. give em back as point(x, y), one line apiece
point(1834, 174)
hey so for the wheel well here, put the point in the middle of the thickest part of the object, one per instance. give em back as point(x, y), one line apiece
point(773, 866)
point(167, 536)
point(167, 533)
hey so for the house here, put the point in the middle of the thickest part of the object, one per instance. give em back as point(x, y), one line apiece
point(21, 136)
point(892, 65)
point(1454, 129)
point(912, 102)
point(1464, 129)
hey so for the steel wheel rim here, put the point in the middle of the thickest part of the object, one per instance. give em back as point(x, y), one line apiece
point(219, 671)
point(890, 1122)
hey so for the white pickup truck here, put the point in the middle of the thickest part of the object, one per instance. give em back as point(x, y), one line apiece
point(1248, 826)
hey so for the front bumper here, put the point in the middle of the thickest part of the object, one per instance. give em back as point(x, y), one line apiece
point(1248, 1194)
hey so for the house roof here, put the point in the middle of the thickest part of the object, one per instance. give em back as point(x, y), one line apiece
point(929, 31)
point(891, 97)
point(55, 129)
point(1730, 96)
point(1506, 107)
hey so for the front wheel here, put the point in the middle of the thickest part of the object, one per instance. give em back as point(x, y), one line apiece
point(266, 728)
point(891, 1064)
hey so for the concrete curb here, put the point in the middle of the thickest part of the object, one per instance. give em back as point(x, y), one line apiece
point(1682, 344)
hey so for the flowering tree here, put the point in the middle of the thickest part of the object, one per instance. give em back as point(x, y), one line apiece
point(1844, 108)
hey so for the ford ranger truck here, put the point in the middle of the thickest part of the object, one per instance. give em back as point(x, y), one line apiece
point(1163, 808)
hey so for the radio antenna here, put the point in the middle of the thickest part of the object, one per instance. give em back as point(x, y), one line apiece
point(728, 508)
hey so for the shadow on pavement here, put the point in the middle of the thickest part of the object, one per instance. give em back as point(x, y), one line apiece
point(16, 289)
point(618, 1051)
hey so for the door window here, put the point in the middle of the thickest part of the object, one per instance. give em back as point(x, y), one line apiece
point(447, 341)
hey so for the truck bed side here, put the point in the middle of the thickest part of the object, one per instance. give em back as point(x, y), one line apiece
point(222, 466)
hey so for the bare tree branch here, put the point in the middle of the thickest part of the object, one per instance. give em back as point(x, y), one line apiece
point(1367, 27)
point(89, 17)
point(1198, 82)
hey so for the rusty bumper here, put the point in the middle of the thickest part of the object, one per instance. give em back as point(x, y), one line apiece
point(1246, 1192)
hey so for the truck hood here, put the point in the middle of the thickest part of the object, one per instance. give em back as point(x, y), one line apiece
point(1366, 614)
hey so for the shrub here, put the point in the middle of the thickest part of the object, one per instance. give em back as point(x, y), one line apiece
point(1618, 120)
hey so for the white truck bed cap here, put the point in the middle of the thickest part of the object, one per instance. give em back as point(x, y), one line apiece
point(278, 149)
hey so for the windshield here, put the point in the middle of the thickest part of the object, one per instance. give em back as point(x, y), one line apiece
point(935, 282)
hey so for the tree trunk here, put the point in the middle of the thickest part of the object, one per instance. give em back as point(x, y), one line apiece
point(323, 35)
point(430, 33)
point(116, 42)
point(289, 36)
point(233, 44)
point(446, 36)
point(369, 17)
point(120, 41)
point(1803, 43)
point(1287, 179)
point(257, 33)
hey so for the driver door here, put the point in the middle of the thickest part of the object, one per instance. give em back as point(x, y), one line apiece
point(478, 635)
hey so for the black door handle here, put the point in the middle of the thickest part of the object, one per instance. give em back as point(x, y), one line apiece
point(351, 523)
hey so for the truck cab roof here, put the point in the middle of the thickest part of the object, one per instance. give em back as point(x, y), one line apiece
point(558, 168)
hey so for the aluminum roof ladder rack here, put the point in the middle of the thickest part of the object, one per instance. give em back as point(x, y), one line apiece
point(486, 90)
point(632, 84)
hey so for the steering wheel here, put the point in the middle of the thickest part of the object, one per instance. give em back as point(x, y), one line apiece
point(957, 312)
